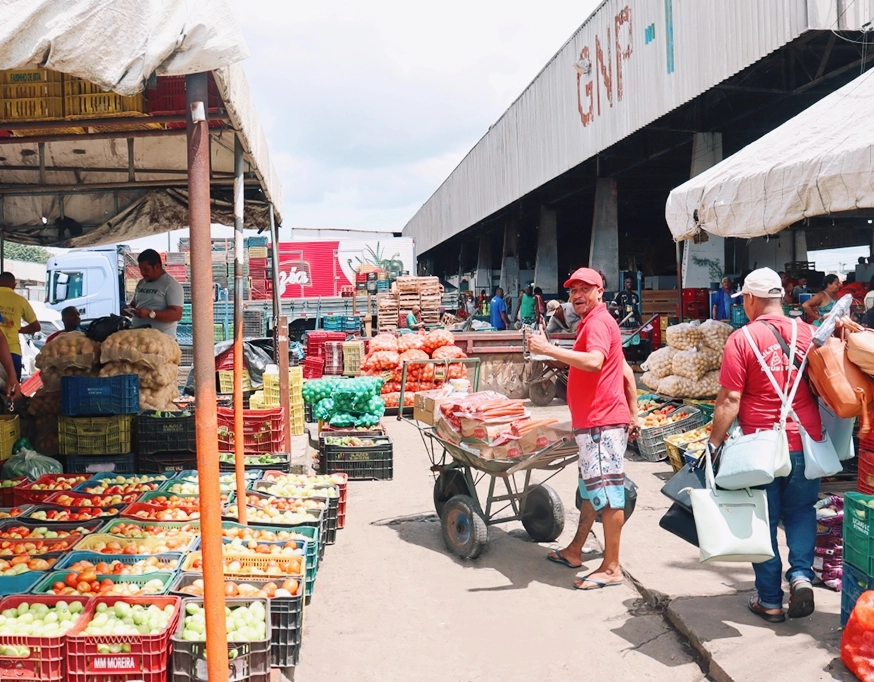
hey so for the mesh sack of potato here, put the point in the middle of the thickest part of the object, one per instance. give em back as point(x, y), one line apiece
point(149, 378)
point(676, 387)
point(142, 346)
point(694, 364)
point(51, 376)
point(714, 334)
point(650, 380)
point(45, 434)
point(659, 362)
point(706, 387)
point(683, 336)
point(159, 398)
point(69, 349)
point(45, 402)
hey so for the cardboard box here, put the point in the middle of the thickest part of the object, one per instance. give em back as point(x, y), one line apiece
point(509, 451)
point(537, 439)
point(426, 406)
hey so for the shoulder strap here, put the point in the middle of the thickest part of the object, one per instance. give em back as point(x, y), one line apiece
point(793, 358)
point(788, 397)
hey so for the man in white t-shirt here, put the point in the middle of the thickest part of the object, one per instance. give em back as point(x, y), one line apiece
point(158, 298)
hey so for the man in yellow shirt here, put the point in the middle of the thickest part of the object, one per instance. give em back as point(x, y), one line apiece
point(14, 309)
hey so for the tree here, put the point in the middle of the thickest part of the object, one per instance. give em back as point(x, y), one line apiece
point(26, 252)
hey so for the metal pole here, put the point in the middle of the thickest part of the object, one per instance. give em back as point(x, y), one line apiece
point(679, 283)
point(239, 441)
point(199, 219)
point(280, 336)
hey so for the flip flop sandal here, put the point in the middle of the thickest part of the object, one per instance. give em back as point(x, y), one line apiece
point(599, 584)
point(557, 558)
point(801, 602)
point(762, 612)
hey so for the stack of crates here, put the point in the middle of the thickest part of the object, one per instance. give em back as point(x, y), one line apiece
point(295, 394)
point(95, 429)
point(858, 575)
point(353, 356)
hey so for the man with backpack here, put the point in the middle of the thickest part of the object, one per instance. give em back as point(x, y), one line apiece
point(747, 394)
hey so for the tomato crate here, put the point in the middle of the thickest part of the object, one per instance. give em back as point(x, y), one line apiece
point(6, 497)
point(263, 430)
point(100, 396)
point(168, 463)
point(145, 656)
point(143, 511)
point(102, 513)
point(191, 476)
point(95, 435)
point(309, 533)
point(652, 440)
point(265, 462)
point(320, 513)
point(44, 586)
point(98, 541)
point(71, 558)
point(113, 479)
point(257, 566)
point(102, 464)
point(338, 479)
point(26, 493)
point(20, 584)
point(859, 531)
point(853, 583)
point(248, 661)
point(77, 498)
point(72, 527)
point(153, 497)
point(47, 660)
point(164, 434)
point(359, 463)
point(331, 502)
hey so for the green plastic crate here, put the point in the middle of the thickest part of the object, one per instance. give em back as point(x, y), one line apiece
point(859, 531)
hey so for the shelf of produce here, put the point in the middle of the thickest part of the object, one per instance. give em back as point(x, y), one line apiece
point(108, 543)
point(34, 493)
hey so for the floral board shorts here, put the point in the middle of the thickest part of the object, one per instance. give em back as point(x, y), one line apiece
point(602, 473)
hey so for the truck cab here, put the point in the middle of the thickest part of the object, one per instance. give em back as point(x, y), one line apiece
point(89, 279)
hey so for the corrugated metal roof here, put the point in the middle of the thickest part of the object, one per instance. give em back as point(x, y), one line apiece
point(625, 67)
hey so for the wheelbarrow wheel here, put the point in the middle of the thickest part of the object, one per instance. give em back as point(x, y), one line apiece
point(449, 484)
point(464, 529)
point(543, 514)
point(542, 393)
point(630, 499)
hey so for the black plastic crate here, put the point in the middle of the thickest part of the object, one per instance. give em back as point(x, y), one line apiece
point(359, 463)
point(100, 396)
point(283, 466)
point(166, 462)
point(165, 434)
point(99, 464)
point(251, 662)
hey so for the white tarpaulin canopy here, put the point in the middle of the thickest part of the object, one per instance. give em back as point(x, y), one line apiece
point(820, 162)
point(81, 181)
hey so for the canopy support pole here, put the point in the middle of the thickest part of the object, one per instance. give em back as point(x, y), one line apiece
point(680, 283)
point(239, 441)
point(206, 423)
point(280, 337)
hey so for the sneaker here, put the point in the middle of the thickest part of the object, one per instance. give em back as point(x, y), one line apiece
point(800, 599)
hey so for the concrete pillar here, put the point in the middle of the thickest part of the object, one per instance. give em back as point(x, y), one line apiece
point(510, 266)
point(703, 262)
point(484, 265)
point(604, 250)
point(546, 263)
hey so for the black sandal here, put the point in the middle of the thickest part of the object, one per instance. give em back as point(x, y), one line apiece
point(801, 602)
point(754, 606)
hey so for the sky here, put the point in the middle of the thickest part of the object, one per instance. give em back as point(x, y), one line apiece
point(368, 106)
point(838, 261)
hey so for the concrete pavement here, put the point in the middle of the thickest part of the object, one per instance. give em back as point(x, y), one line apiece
point(391, 603)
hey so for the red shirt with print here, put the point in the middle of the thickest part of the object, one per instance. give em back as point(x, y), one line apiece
point(759, 404)
point(598, 398)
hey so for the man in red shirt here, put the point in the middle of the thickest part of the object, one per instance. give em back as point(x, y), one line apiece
point(746, 394)
point(602, 397)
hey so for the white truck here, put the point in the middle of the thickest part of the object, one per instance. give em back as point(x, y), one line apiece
point(312, 278)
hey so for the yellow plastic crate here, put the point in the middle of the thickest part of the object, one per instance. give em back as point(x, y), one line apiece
point(10, 432)
point(226, 381)
point(31, 94)
point(256, 401)
point(84, 99)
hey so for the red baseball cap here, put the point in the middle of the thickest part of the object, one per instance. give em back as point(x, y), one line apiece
point(586, 276)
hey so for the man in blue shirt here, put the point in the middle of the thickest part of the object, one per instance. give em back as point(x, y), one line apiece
point(499, 310)
point(722, 302)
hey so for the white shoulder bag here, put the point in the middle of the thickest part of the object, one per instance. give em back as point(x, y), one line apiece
point(732, 525)
point(758, 458)
point(820, 457)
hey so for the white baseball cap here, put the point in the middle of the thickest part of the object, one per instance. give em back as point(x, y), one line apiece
point(762, 283)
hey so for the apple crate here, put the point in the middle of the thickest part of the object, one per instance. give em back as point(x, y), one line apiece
point(79, 498)
point(25, 493)
point(44, 586)
point(145, 657)
point(331, 506)
point(182, 543)
point(100, 396)
point(169, 463)
point(6, 497)
point(652, 440)
point(248, 661)
point(47, 661)
point(103, 513)
point(859, 531)
point(95, 435)
point(164, 434)
point(75, 556)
